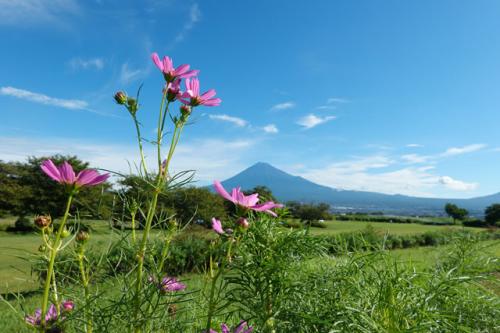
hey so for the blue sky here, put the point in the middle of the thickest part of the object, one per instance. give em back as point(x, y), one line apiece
point(388, 96)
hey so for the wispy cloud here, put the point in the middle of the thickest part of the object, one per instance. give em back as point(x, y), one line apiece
point(72, 104)
point(415, 158)
point(271, 128)
point(194, 17)
point(464, 150)
point(22, 12)
point(91, 63)
point(333, 100)
point(450, 152)
point(213, 158)
point(326, 107)
point(128, 74)
point(312, 120)
point(414, 145)
point(224, 117)
point(457, 185)
point(379, 173)
point(283, 106)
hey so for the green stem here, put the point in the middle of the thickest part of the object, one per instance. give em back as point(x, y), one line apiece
point(53, 252)
point(85, 282)
point(140, 256)
point(211, 303)
point(160, 127)
point(139, 140)
point(133, 227)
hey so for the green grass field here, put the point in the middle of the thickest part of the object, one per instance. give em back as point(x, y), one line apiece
point(333, 227)
point(16, 249)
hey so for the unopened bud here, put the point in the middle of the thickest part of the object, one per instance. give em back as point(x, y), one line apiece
point(185, 110)
point(65, 233)
point(132, 105)
point(121, 98)
point(67, 306)
point(42, 248)
point(82, 236)
point(242, 222)
point(43, 221)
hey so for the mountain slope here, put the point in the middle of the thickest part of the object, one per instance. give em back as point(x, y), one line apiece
point(287, 187)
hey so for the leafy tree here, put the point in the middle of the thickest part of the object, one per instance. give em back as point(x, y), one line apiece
point(25, 189)
point(265, 193)
point(309, 212)
point(492, 214)
point(12, 191)
point(193, 203)
point(455, 212)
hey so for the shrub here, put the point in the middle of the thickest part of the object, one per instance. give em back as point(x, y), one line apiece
point(22, 224)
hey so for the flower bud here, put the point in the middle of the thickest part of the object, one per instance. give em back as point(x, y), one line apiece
point(185, 110)
point(65, 233)
point(132, 105)
point(43, 221)
point(42, 248)
point(82, 236)
point(67, 306)
point(121, 98)
point(242, 222)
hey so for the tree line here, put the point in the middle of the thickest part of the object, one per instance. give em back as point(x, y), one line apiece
point(26, 191)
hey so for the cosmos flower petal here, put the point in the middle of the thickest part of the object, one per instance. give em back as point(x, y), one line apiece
point(67, 173)
point(157, 61)
point(51, 170)
point(222, 192)
point(182, 69)
point(209, 94)
point(224, 328)
point(217, 226)
point(212, 102)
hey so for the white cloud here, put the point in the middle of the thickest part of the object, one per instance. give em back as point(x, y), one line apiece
point(333, 100)
point(457, 185)
point(128, 75)
point(91, 63)
point(414, 145)
point(194, 17)
point(312, 120)
point(212, 158)
point(326, 107)
point(224, 117)
point(463, 150)
point(72, 104)
point(271, 128)
point(369, 174)
point(22, 12)
point(415, 158)
point(283, 106)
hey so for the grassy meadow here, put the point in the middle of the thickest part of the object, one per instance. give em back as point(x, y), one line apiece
point(347, 273)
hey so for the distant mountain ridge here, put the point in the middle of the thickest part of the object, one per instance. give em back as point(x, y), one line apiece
point(287, 187)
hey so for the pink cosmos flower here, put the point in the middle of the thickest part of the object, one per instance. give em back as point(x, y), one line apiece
point(64, 174)
point(173, 90)
point(192, 95)
point(169, 72)
point(51, 315)
point(171, 284)
point(217, 226)
point(247, 201)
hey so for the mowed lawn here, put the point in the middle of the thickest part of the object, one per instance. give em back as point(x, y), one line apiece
point(334, 227)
